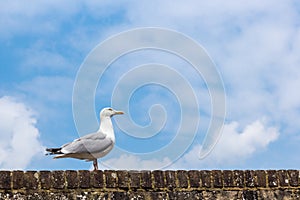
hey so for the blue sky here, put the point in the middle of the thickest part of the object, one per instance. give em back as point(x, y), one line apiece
point(255, 47)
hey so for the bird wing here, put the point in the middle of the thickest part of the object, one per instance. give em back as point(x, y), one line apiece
point(91, 143)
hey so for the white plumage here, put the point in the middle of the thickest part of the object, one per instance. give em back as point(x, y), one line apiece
point(92, 146)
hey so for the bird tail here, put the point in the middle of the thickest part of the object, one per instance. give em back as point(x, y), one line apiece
point(53, 151)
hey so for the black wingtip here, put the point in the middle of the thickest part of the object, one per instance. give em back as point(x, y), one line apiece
point(53, 151)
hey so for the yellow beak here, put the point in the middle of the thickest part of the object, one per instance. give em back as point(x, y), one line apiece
point(119, 112)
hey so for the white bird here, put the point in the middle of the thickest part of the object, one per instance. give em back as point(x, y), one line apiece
point(92, 146)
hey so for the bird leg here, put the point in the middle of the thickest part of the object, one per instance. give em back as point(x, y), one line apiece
point(95, 163)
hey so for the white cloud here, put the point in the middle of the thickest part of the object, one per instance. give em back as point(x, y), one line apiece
point(131, 162)
point(19, 137)
point(33, 17)
point(234, 146)
point(255, 44)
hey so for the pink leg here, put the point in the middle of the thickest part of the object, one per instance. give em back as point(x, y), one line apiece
point(95, 163)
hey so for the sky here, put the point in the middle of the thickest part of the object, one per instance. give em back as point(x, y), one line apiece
point(251, 47)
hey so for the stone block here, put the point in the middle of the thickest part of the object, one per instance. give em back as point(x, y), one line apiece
point(205, 177)
point(217, 178)
point(238, 178)
point(283, 178)
point(31, 180)
point(45, 179)
point(272, 178)
point(58, 179)
point(111, 178)
point(123, 179)
point(158, 179)
point(84, 178)
point(18, 179)
point(97, 179)
point(293, 178)
point(250, 195)
point(170, 179)
point(185, 195)
point(250, 178)
point(261, 180)
point(135, 179)
point(71, 179)
point(158, 195)
point(182, 177)
point(146, 179)
point(5, 180)
point(119, 195)
point(194, 177)
point(228, 178)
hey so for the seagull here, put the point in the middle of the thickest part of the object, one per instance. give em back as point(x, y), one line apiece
point(92, 146)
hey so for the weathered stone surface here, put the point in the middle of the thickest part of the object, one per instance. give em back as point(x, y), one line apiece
point(84, 179)
point(228, 178)
point(217, 178)
point(216, 184)
point(71, 179)
point(32, 180)
point(135, 179)
point(250, 195)
point(194, 177)
point(57, 179)
point(285, 194)
point(260, 180)
point(221, 194)
point(111, 178)
point(293, 178)
point(146, 179)
point(238, 178)
point(119, 195)
point(158, 179)
point(18, 179)
point(158, 195)
point(97, 179)
point(45, 179)
point(5, 180)
point(250, 178)
point(170, 179)
point(183, 195)
point(137, 195)
point(182, 177)
point(272, 178)
point(283, 178)
point(123, 179)
point(205, 177)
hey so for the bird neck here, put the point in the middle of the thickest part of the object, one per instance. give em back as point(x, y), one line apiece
point(106, 127)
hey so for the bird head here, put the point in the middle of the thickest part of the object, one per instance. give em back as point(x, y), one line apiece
point(109, 112)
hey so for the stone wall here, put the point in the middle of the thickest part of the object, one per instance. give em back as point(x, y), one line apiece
point(193, 184)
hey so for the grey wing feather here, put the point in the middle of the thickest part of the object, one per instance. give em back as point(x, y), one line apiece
point(91, 143)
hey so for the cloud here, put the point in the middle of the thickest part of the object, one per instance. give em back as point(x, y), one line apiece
point(234, 146)
point(19, 136)
point(255, 44)
point(131, 162)
point(20, 17)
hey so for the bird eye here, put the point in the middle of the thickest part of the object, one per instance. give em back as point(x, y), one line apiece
point(110, 109)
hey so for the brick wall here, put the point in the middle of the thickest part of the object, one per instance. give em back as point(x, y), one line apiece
point(193, 184)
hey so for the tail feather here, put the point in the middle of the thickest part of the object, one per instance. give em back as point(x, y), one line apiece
point(53, 151)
